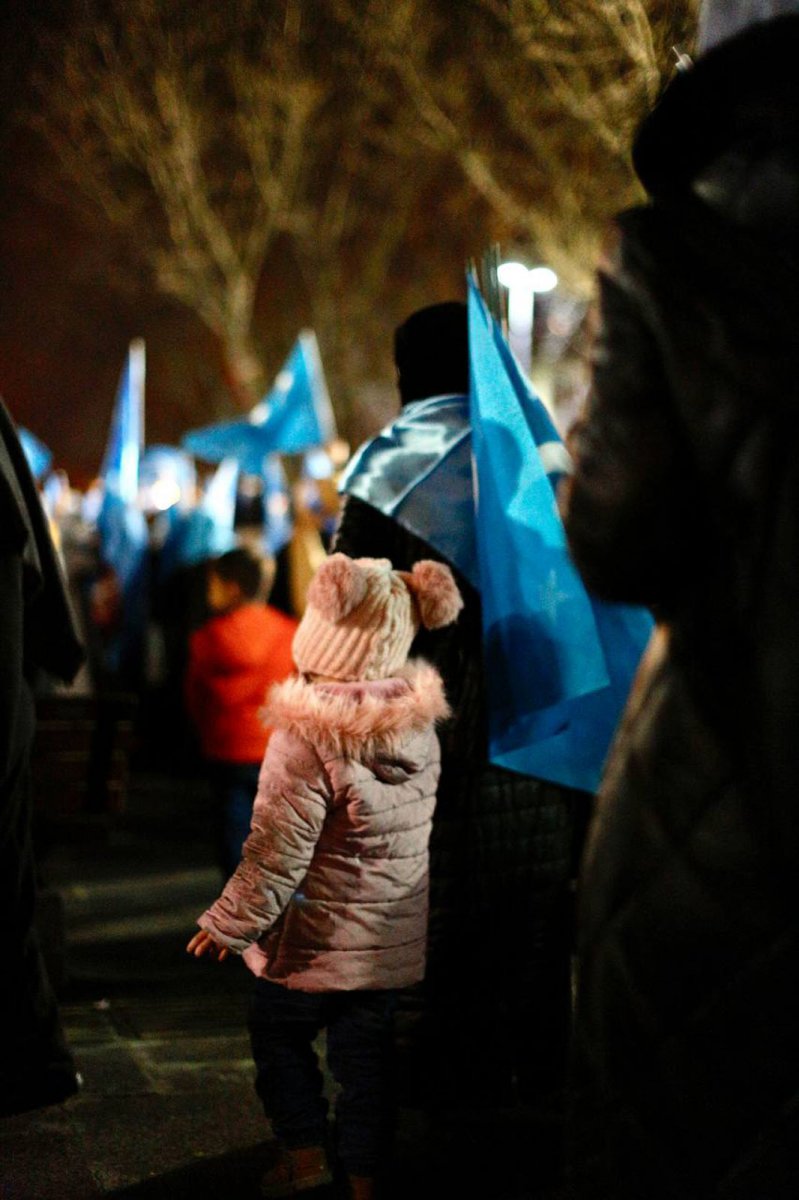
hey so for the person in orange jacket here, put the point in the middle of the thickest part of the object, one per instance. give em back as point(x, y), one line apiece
point(234, 658)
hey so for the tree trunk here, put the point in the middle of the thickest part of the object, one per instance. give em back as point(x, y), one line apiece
point(244, 369)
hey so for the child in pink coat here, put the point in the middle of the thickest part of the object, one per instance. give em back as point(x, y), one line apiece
point(329, 904)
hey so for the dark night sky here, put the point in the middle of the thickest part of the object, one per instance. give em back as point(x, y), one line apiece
point(64, 328)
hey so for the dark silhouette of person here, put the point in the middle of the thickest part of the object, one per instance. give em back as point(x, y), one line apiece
point(495, 1007)
point(37, 635)
point(685, 497)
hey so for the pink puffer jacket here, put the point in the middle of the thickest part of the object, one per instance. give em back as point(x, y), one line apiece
point(332, 890)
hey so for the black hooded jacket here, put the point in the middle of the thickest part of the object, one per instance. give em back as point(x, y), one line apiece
point(686, 498)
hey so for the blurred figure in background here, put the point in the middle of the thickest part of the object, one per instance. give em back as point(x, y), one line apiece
point(685, 498)
point(234, 658)
point(37, 634)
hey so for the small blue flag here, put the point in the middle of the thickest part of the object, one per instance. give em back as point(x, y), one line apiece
point(294, 416)
point(38, 456)
point(560, 664)
point(298, 412)
point(167, 480)
point(120, 469)
point(207, 530)
point(122, 527)
point(120, 522)
point(278, 524)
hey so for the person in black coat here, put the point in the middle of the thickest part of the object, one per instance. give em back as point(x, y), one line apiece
point(496, 1000)
point(37, 634)
point(685, 498)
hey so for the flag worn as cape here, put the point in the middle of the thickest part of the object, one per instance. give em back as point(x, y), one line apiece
point(560, 662)
point(418, 470)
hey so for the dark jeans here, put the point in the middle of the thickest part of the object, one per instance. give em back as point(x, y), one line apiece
point(283, 1026)
point(233, 788)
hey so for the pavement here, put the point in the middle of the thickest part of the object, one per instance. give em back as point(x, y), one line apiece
point(167, 1109)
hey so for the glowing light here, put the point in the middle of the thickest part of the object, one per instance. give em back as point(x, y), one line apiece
point(513, 275)
point(339, 452)
point(277, 505)
point(258, 415)
point(516, 277)
point(543, 279)
point(162, 494)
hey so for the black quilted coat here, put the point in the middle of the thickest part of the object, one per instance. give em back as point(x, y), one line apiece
point(496, 999)
point(686, 498)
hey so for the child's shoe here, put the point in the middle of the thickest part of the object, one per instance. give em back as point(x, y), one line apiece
point(296, 1170)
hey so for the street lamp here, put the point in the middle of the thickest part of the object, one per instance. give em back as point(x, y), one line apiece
point(522, 284)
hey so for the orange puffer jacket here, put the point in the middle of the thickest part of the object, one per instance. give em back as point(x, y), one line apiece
point(332, 890)
point(234, 659)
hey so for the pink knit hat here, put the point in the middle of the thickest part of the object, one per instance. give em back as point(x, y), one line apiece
point(362, 615)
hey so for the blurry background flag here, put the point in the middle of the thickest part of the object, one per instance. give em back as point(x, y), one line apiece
point(207, 530)
point(167, 480)
point(561, 664)
point(120, 522)
point(294, 416)
point(298, 410)
point(120, 469)
point(38, 456)
point(278, 523)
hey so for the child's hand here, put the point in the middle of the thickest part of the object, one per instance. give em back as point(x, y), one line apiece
point(202, 943)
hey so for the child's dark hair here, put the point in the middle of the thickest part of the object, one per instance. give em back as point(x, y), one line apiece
point(241, 567)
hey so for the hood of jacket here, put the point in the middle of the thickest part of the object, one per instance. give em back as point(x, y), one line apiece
point(362, 718)
point(727, 130)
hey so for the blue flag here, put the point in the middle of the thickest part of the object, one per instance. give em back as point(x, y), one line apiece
point(38, 456)
point(207, 530)
point(121, 525)
point(167, 480)
point(560, 664)
point(120, 469)
point(120, 522)
point(298, 413)
point(294, 416)
point(278, 524)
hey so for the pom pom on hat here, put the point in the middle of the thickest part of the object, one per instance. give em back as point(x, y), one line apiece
point(437, 595)
point(362, 615)
point(338, 587)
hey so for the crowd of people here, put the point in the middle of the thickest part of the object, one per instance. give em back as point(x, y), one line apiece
point(380, 869)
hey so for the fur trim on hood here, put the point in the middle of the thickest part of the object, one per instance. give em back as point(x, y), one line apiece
point(360, 718)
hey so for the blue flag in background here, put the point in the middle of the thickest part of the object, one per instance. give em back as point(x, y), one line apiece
point(298, 410)
point(37, 454)
point(294, 416)
point(122, 527)
point(207, 530)
point(120, 522)
point(120, 469)
point(278, 524)
point(560, 664)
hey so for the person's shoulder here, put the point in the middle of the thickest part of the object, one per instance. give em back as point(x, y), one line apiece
point(365, 532)
point(218, 628)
